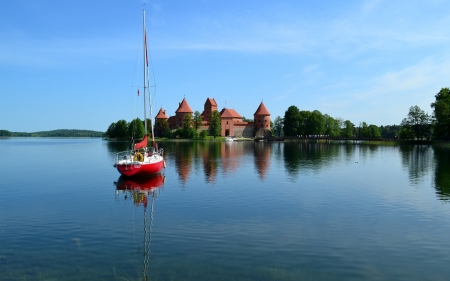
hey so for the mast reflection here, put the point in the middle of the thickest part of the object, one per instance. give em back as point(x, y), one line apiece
point(140, 190)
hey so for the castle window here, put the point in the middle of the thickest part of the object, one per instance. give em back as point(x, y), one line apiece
point(265, 120)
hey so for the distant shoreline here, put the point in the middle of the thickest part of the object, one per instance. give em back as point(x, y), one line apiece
point(60, 133)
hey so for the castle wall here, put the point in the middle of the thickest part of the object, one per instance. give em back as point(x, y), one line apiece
point(244, 131)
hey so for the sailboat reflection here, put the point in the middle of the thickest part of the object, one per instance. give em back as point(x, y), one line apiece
point(139, 190)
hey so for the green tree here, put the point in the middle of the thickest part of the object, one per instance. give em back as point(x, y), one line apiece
point(418, 121)
point(188, 131)
point(305, 127)
point(203, 134)
point(5, 133)
point(332, 128)
point(164, 127)
point(316, 123)
point(374, 131)
point(197, 119)
point(441, 114)
point(215, 128)
point(406, 133)
point(136, 129)
point(278, 126)
point(111, 132)
point(291, 121)
point(347, 131)
point(121, 129)
point(363, 130)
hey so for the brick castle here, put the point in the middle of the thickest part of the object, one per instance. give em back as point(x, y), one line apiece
point(231, 121)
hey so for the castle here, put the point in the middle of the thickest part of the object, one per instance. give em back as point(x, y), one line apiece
point(231, 122)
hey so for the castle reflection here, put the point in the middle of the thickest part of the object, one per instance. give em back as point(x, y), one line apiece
point(216, 158)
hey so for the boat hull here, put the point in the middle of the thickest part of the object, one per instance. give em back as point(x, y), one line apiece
point(137, 169)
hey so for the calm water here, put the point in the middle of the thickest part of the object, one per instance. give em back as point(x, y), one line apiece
point(239, 211)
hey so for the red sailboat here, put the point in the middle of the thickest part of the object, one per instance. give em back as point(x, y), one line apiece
point(142, 160)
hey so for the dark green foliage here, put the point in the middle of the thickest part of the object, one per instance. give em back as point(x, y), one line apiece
point(374, 131)
point(118, 130)
point(62, 133)
point(291, 121)
point(332, 127)
point(418, 122)
point(390, 131)
point(136, 129)
point(215, 127)
point(203, 134)
point(278, 126)
point(441, 109)
point(5, 133)
point(197, 119)
point(163, 128)
point(316, 123)
point(348, 130)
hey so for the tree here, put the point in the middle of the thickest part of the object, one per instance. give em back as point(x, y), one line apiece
point(278, 126)
point(441, 114)
point(374, 131)
point(347, 131)
point(316, 123)
point(418, 122)
point(188, 131)
point(197, 120)
point(364, 130)
point(332, 128)
point(136, 129)
point(121, 130)
point(163, 126)
point(304, 127)
point(246, 120)
point(215, 127)
point(292, 121)
point(110, 133)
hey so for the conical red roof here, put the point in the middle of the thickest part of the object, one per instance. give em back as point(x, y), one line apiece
point(262, 110)
point(161, 114)
point(184, 107)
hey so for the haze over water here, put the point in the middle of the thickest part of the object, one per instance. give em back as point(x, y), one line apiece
point(225, 211)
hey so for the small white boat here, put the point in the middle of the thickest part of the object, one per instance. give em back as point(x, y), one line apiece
point(229, 139)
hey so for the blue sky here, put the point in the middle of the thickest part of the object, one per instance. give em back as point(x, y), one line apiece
point(77, 64)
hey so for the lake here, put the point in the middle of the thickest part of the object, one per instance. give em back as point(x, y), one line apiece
point(225, 211)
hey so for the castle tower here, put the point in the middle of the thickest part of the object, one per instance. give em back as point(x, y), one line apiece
point(262, 121)
point(178, 119)
point(160, 119)
point(210, 106)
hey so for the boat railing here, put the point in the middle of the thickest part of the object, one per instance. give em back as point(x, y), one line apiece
point(129, 154)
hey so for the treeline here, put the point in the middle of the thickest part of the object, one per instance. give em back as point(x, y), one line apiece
point(126, 130)
point(189, 130)
point(418, 125)
point(313, 123)
point(63, 133)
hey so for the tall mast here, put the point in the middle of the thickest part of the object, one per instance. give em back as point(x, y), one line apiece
point(145, 71)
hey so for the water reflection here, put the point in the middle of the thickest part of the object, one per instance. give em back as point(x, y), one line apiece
point(140, 190)
point(418, 159)
point(442, 172)
point(117, 146)
point(262, 158)
point(309, 155)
